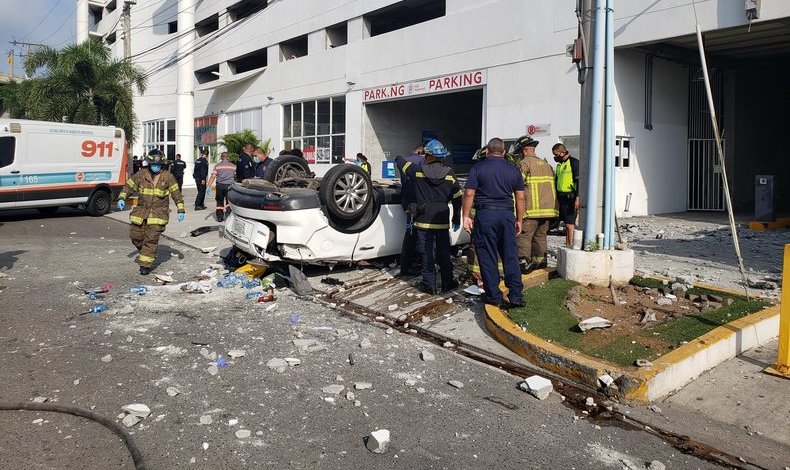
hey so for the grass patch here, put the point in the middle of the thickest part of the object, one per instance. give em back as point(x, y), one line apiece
point(546, 316)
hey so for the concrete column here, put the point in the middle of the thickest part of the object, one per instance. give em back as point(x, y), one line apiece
point(83, 21)
point(185, 106)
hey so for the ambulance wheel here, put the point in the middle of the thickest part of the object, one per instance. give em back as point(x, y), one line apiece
point(99, 203)
point(286, 166)
point(346, 191)
point(47, 210)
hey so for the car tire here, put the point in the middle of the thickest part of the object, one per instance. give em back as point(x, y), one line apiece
point(48, 210)
point(346, 191)
point(364, 221)
point(286, 166)
point(99, 203)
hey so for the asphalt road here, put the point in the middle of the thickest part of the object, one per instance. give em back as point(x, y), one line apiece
point(156, 340)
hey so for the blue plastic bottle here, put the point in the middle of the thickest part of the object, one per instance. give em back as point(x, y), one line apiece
point(138, 290)
point(97, 309)
point(253, 294)
point(250, 283)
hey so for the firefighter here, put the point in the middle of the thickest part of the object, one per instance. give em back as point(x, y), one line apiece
point(540, 207)
point(435, 186)
point(153, 184)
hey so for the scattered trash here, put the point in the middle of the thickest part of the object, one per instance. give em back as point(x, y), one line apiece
point(231, 280)
point(594, 322)
point(140, 290)
point(427, 356)
point(537, 386)
point(196, 287)
point(137, 409)
point(251, 283)
point(95, 310)
point(474, 290)
point(294, 319)
point(221, 362)
point(164, 278)
point(456, 383)
point(236, 353)
point(378, 441)
point(643, 363)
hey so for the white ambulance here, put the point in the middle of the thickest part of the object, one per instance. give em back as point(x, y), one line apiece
point(45, 165)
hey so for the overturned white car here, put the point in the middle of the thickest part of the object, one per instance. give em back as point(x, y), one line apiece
point(342, 217)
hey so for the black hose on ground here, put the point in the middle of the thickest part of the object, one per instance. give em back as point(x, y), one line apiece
point(137, 456)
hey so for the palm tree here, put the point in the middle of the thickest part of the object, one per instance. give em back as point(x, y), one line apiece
point(234, 143)
point(82, 84)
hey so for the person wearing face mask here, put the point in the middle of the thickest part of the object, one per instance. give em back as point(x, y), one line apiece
point(153, 184)
point(567, 175)
point(362, 161)
point(261, 161)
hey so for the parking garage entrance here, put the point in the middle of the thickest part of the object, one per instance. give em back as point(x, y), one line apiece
point(399, 117)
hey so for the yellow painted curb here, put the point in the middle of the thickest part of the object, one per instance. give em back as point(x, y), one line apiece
point(762, 226)
point(634, 383)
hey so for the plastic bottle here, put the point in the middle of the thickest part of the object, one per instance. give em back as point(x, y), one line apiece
point(227, 281)
point(93, 295)
point(250, 283)
point(253, 294)
point(138, 290)
point(97, 309)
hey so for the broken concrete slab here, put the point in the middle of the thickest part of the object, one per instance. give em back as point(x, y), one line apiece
point(172, 391)
point(107, 358)
point(594, 322)
point(648, 316)
point(243, 433)
point(456, 383)
point(378, 441)
point(277, 364)
point(137, 409)
point(427, 356)
point(537, 386)
point(333, 389)
point(236, 353)
point(206, 419)
point(362, 385)
point(606, 380)
point(292, 361)
point(663, 301)
point(130, 420)
point(213, 370)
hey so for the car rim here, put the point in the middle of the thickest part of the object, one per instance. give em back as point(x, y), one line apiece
point(289, 170)
point(351, 192)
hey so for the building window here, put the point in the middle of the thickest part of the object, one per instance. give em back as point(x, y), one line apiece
point(254, 60)
point(209, 25)
point(160, 135)
point(404, 14)
point(293, 48)
point(337, 35)
point(209, 74)
point(622, 152)
point(251, 119)
point(245, 8)
point(172, 27)
point(318, 128)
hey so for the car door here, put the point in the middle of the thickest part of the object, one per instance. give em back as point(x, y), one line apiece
point(9, 172)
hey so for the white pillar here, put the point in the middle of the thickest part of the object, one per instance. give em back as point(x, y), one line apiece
point(185, 117)
point(83, 24)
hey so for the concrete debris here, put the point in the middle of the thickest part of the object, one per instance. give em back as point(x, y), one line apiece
point(590, 401)
point(378, 441)
point(206, 419)
point(392, 307)
point(427, 356)
point(236, 353)
point(38, 421)
point(233, 422)
point(670, 296)
point(362, 385)
point(365, 343)
point(448, 344)
point(664, 301)
point(606, 380)
point(205, 447)
point(333, 389)
point(40, 400)
point(594, 322)
point(172, 391)
point(679, 290)
point(410, 383)
point(350, 396)
point(204, 352)
point(448, 300)
point(130, 420)
point(107, 358)
point(648, 316)
point(292, 361)
point(277, 364)
point(537, 386)
point(456, 383)
point(654, 409)
point(164, 278)
point(643, 363)
point(243, 433)
point(329, 400)
point(208, 249)
point(473, 290)
point(687, 281)
point(196, 287)
point(213, 370)
point(656, 465)
point(137, 409)
point(129, 339)
point(389, 331)
point(305, 345)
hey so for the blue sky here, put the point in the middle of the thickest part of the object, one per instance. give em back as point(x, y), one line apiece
point(20, 19)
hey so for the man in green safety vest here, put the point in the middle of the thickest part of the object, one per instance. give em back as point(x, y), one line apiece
point(541, 204)
point(567, 172)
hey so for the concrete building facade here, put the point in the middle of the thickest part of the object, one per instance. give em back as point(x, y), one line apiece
point(337, 77)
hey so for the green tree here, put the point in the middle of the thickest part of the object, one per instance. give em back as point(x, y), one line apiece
point(13, 97)
point(234, 143)
point(81, 83)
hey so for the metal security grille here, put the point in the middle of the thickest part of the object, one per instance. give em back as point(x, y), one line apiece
point(705, 186)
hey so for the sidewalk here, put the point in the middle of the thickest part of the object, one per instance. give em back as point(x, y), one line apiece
point(733, 407)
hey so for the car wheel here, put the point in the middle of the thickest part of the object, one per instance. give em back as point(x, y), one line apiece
point(346, 191)
point(99, 203)
point(286, 166)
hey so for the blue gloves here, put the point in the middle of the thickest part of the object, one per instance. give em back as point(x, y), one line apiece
point(180, 216)
point(208, 189)
point(456, 227)
point(121, 204)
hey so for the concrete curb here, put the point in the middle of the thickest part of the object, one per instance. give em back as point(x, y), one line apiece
point(669, 373)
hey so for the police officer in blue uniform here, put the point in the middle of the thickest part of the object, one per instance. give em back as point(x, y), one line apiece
point(435, 187)
point(491, 188)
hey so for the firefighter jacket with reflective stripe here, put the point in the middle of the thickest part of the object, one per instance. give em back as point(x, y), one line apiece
point(435, 186)
point(365, 166)
point(568, 176)
point(152, 191)
point(540, 192)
